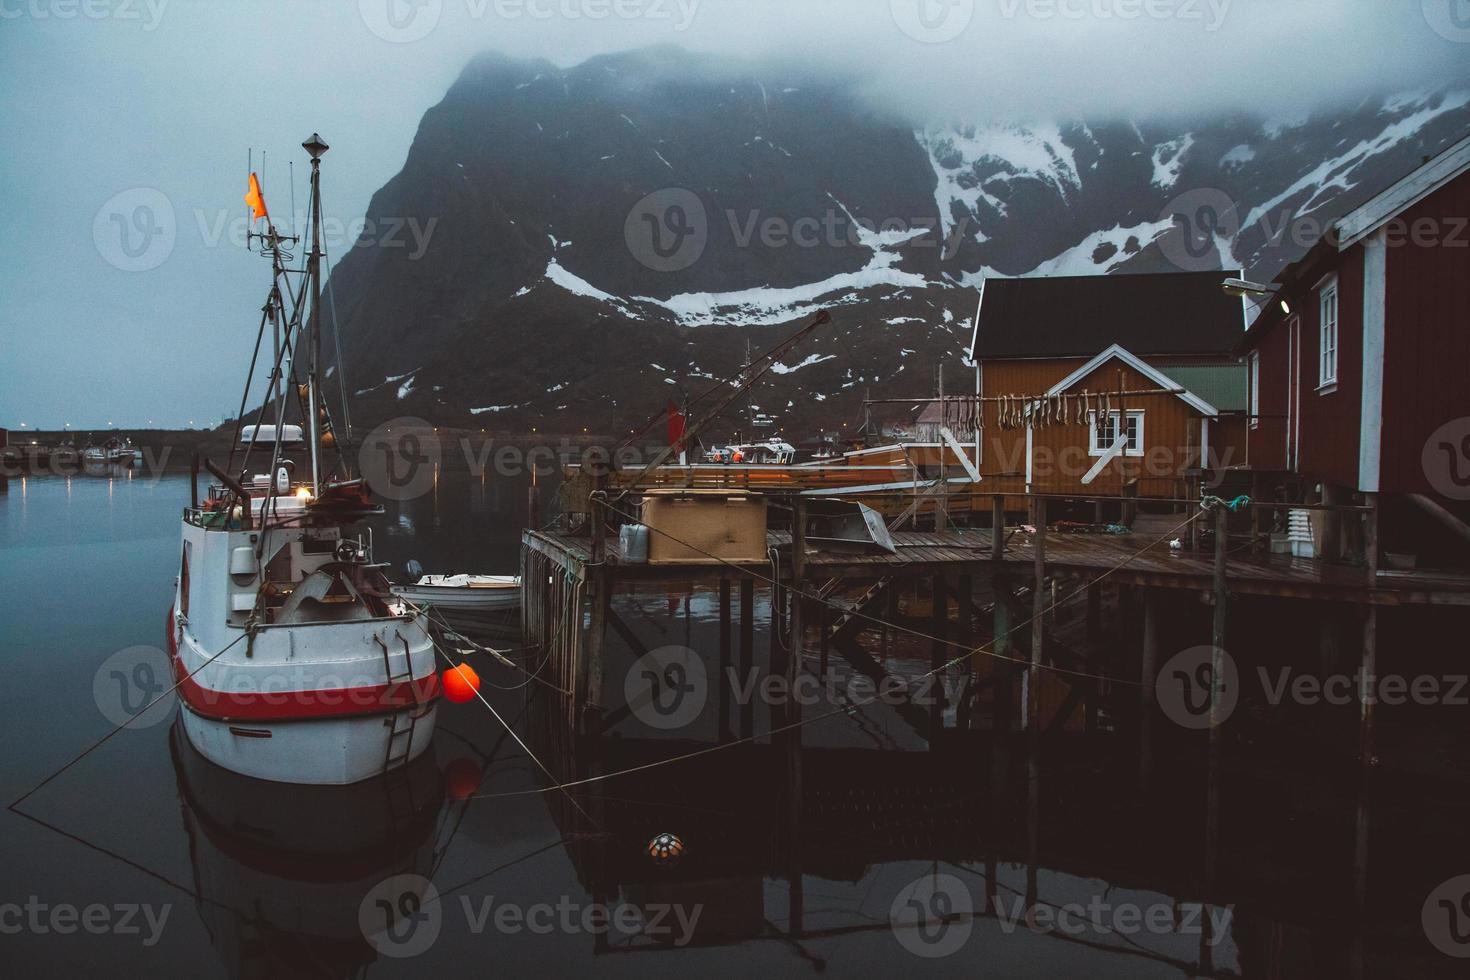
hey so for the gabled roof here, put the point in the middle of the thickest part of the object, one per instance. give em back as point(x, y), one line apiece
point(1152, 373)
point(1076, 316)
point(1389, 204)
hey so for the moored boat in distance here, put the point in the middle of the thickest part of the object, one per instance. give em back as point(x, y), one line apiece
point(465, 593)
point(294, 660)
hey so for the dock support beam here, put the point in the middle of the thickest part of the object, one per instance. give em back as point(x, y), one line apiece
point(938, 648)
point(1032, 684)
point(1148, 679)
point(722, 685)
point(747, 652)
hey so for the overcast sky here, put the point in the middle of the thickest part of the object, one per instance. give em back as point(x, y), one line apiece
point(146, 108)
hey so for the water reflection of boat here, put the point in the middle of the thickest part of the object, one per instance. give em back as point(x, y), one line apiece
point(280, 871)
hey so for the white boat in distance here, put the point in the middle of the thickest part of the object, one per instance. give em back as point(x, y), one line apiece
point(465, 593)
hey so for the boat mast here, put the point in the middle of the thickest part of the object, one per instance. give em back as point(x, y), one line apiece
point(315, 147)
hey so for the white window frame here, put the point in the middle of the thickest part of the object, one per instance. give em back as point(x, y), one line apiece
point(1328, 334)
point(1255, 382)
point(1097, 447)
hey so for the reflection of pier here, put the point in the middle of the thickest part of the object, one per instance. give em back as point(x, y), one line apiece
point(804, 856)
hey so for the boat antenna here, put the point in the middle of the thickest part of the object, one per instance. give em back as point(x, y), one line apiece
point(315, 146)
point(291, 168)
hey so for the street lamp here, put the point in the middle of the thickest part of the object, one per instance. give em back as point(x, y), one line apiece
point(1255, 290)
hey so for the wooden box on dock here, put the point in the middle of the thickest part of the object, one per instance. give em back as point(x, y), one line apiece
point(704, 526)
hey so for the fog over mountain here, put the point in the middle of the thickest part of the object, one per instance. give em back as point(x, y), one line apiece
point(601, 232)
point(1042, 125)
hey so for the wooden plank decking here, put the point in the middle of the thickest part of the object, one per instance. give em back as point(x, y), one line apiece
point(1128, 559)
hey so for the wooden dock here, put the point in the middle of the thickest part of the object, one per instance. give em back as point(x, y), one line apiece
point(1128, 559)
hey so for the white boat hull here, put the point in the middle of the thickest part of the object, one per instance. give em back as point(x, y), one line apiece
point(324, 751)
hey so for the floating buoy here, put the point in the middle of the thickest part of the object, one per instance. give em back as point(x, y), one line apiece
point(666, 850)
point(461, 778)
point(461, 683)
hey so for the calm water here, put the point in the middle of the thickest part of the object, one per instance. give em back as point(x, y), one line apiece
point(248, 879)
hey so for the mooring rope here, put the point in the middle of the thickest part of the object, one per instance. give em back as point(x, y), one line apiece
point(117, 728)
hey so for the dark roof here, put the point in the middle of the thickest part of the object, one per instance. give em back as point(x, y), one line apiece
point(1078, 316)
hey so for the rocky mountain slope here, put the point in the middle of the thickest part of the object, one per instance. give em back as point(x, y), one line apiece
point(645, 216)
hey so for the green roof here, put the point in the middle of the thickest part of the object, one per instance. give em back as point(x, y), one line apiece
point(1226, 386)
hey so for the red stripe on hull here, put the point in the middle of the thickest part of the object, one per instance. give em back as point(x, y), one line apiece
point(296, 705)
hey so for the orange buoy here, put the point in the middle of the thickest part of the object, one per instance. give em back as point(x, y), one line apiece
point(461, 683)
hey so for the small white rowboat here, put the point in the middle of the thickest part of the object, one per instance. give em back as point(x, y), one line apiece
point(465, 593)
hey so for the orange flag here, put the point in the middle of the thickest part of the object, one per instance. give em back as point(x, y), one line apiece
point(256, 199)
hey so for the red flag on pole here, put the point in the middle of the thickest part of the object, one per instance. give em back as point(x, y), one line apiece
point(676, 424)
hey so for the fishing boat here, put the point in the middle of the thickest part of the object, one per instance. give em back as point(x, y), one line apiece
point(465, 593)
point(294, 660)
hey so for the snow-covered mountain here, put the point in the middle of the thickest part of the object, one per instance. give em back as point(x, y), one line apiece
point(643, 216)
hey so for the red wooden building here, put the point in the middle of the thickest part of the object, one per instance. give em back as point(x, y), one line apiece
point(1360, 364)
point(1157, 350)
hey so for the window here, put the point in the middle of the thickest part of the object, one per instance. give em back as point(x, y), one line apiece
point(1255, 383)
point(184, 579)
point(1327, 375)
point(1101, 437)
